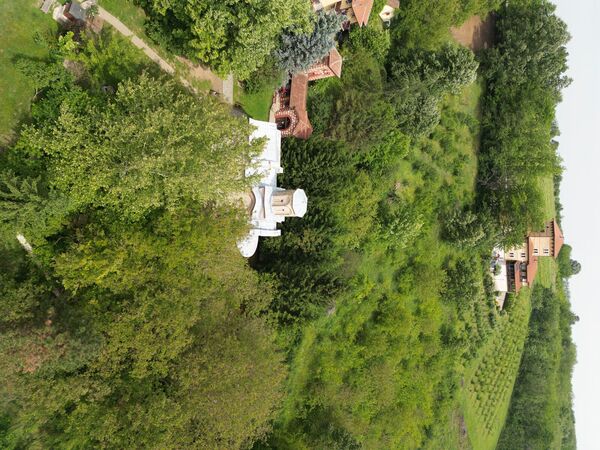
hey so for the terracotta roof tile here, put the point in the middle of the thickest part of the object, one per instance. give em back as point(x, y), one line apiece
point(335, 62)
point(532, 265)
point(298, 93)
point(362, 10)
point(559, 239)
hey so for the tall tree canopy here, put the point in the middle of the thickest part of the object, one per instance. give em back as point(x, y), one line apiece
point(299, 51)
point(524, 75)
point(135, 321)
point(230, 36)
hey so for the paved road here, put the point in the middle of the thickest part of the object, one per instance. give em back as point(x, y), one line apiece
point(150, 53)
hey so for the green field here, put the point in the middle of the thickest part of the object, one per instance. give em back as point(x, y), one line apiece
point(547, 189)
point(257, 104)
point(19, 22)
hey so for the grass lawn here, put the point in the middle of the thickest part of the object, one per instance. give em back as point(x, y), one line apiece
point(490, 378)
point(258, 104)
point(547, 188)
point(131, 15)
point(547, 266)
point(547, 269)
point(19, 22)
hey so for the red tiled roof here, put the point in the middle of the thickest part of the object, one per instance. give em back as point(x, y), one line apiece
point(303, 128)
point(362, 10)
point(334, 61)
point(517, 276)
point(532, 265)
point(559, 239)
point(298, 93)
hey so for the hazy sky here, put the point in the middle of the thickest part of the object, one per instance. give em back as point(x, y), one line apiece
point(579, 121)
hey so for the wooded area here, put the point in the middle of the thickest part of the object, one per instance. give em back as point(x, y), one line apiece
point(133, 321)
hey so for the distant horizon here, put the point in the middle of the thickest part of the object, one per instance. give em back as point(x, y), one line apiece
point(578, 118)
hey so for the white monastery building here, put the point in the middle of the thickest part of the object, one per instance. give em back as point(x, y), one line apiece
point(268, 204)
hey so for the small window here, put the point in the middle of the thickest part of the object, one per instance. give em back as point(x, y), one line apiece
point(523, 255)
point(511, 254)
point(535, 251)
point(546, 251)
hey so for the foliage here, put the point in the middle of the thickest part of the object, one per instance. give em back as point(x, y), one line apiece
point(306, 257)
point(420, 79)
point(426, 23)
point(109, 59)
point(371, 40)
point(491, 375)
point(399, 224)
point(20, 20)
point(524, 75)
point(566, 265)
point(366, 257)
point(299, 51)
point(230, 36)
point(466, 229)
point(269, 75)
point(148, 129)
point(135, 321)
point(575, 267)
point(540, 415)
point(335, 104)
point(475, 309)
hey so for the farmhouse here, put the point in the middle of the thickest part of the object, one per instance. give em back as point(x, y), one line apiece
point(517, 267)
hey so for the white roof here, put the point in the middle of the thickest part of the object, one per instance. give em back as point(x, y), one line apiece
point(270, 157)
point(501, 279)
point(248, 245)
point(267, 165)
point(300, 202)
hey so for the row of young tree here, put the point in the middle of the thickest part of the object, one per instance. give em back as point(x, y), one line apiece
point(541, 414)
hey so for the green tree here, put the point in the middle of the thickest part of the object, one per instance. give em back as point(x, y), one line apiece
point(524, 75)
point(420, 79)
point(466, 229)
point(147, 149)
point(230, 36)
point(298, 52)
point(135, 321)
point(372, 40)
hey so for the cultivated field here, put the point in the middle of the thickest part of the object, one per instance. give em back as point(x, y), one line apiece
point(489, 381)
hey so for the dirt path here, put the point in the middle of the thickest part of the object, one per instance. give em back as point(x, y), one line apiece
point(217, 84)
point(226, 86)
point(122, 28)
point(476, 33)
